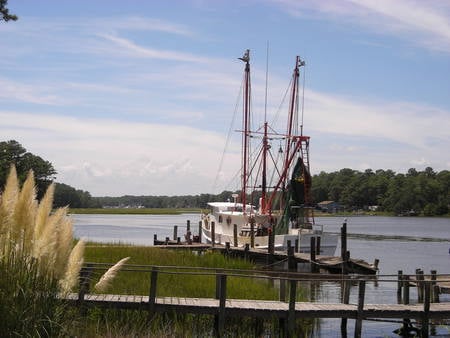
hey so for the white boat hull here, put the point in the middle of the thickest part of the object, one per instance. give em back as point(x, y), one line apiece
point(328, 242)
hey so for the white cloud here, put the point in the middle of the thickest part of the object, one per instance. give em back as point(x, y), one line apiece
point(426, 23)
point(112, 157)
point(130, 48)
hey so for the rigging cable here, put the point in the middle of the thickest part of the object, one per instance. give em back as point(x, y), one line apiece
point(227, 142)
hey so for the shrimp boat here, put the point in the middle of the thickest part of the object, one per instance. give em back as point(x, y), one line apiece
point(274, 205)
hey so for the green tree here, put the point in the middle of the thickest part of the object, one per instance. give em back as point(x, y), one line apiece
point(65, 195)
point(4, 12)
point(12, 152)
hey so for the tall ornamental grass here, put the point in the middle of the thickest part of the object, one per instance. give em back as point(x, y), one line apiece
point(37, 260)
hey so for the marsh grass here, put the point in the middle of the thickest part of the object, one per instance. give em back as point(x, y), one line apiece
point(178, 283)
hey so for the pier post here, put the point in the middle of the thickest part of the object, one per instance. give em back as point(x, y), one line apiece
point(213, 234)
point(246, 251)
point(399, 286)
point(434, 287)
point(292, 299)
point(235, 236)
point(152, 293)
point(296, 245)
point(282, 291)
point(420, 285)
point(345, 264)
point(313, 254)
point(426, 309)
point(359, 315)
point(405, 289)
point(252, 233)
point(345, 299)
point(318, 239)
point(292, 264)
point(85, 277)
point(270, 248)
point(199, 231)
point(155, 239)
point(344, 240)
point(188, 225)
point(175, 232)
point(221, 294)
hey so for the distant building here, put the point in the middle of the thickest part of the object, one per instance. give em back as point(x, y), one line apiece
point(329, 206)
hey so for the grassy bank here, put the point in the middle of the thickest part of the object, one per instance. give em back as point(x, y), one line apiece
point(178, 284)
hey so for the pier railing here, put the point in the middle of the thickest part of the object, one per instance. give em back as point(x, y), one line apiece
point(403, 303)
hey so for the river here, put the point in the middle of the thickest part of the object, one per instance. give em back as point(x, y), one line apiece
point(400, 243)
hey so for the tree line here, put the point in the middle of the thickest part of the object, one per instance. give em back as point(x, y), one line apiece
point(420, 192)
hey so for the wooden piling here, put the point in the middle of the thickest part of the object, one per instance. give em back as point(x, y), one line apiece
point(252, 233)
point(175, 232)
point(282, 291)
point(292, 263)
point(296, 245)
point(235, 236)
point(155, 239)
point(292, 299)
point(420, 285)
point(188, 225)
point(359, 315)
point(200, 231)
point(345, 299)
point(213, 234)
point(152, 292)
point(85, 277)
point(313, 254)
point(318, 246)
point(221, 294)
point(405, 289)
point(343, 240)
point(434, 287)
point(426, 309)
point(399, 286)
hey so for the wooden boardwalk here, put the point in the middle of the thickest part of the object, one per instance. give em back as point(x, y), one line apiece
point(287, 309)
point(262, 308)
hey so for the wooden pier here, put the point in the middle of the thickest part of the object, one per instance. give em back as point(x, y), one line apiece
point(271, 258)
point(287, 309)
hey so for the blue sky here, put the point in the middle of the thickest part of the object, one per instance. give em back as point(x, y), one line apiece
point(136, 97)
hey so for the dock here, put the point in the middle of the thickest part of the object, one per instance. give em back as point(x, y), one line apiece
point(287, 308)
point(288, 259)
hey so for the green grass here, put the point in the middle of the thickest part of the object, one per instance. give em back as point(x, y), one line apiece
point(131, 211)
point(127, 323)
point(178, 282)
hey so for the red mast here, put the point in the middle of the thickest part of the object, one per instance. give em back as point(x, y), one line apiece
point(293, 142)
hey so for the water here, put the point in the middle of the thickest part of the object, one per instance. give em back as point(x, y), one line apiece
point(400, 243)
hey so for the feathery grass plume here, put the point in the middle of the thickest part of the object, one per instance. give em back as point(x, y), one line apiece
point(45, 245)
point(7, 207)
point(73, 267)
point(44, 210)
point(63, 244)
point(24, 215)
point(109, 275)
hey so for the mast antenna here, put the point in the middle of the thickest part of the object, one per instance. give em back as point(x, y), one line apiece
point(267, 82)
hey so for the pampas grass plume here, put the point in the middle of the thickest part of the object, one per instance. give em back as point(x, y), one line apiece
point(73, 268)
point(109, 275)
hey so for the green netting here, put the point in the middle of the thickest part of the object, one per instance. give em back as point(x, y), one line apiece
point(294, 211)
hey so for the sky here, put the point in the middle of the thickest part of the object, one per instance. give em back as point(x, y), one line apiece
point(138, 97)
